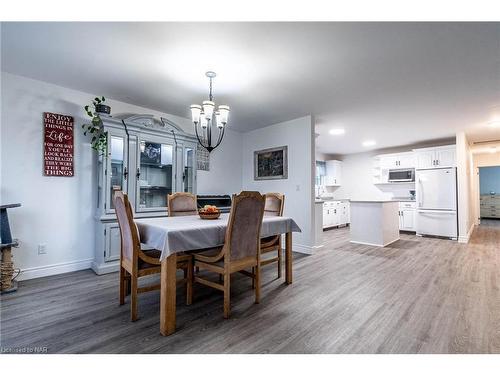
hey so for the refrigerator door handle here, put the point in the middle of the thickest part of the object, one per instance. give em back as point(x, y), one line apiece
point(436, 212)
point(420, 196)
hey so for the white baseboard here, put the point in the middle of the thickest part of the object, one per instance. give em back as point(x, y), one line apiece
point(466, 238)
point(100, 269)
point(304, 249)
point(375, 244)
point(54, 269)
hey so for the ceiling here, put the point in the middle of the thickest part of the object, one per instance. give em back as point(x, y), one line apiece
point(394, 83)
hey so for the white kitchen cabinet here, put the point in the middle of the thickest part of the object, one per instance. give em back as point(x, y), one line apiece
point(388, 161)
point(333, 173)
point(335, 213)
point(406, 160)
point(436, 157)
point(407, 213)
point(446, 157)
point(397, 161)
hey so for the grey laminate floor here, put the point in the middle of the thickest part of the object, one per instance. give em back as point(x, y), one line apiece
point(420, 295)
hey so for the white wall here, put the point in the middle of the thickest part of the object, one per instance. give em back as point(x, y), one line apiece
point(58, 211)
point(225, 172)
point(357, 180)
point(464, 187)
point(298, 188)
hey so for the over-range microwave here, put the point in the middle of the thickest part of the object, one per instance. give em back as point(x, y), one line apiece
point(401, 175)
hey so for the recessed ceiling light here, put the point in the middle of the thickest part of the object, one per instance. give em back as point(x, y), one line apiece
point(338, 131)
point(369, 143)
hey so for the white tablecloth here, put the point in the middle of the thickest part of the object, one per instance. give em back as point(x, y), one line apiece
point(182, 233)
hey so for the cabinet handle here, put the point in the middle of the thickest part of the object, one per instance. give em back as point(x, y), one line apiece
point(125, 173)
point(138, 174)
point(437, 162)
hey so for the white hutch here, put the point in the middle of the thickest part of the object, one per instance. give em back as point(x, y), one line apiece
point(147, 158)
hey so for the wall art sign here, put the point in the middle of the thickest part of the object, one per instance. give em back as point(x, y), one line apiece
point(271, 163)
point(58, 145)
point(202, 158)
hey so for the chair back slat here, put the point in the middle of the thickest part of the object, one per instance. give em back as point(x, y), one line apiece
point(274, 204)
point(130, 242)
point(245, 220)
point(182, 204)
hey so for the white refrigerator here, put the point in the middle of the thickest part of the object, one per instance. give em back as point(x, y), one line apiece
point(437, 202)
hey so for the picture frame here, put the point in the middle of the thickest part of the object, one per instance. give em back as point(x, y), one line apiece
point(271, 163)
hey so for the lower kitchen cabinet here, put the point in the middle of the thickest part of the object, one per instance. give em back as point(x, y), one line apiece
point(335, 213)
point(407, 214)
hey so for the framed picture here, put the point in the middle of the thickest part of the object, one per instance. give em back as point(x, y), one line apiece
point(271, 163)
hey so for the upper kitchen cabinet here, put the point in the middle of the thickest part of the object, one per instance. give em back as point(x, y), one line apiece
point(436, 157)
point(333, 173)
point(397, 161)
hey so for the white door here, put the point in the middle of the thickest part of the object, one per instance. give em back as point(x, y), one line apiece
point(437, 223)
point(333, 172)
point(436, 189)
point(425, 159)
point(326, 217)
point(446, 158)
point(407, 220)
point(406, 160)
point(388, 162)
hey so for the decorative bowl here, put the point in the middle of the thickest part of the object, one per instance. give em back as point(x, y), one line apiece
point(209, 215)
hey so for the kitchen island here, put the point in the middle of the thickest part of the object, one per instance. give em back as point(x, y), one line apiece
point(374, 222)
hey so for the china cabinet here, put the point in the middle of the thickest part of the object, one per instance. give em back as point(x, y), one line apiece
point(148, 159)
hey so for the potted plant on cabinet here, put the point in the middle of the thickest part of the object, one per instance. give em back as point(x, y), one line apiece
point(99, 140)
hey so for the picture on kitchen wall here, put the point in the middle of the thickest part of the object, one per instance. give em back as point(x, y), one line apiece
point(271, 163)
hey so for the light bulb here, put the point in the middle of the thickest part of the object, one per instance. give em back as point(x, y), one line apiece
point(224, 113)
point(218, 120)
point(204, 121)
point(208, 109)
point(195, 112)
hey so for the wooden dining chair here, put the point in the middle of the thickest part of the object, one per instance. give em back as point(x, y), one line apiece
point(136, 263)
point(241, 246)
point(274, 207)
point(182, 204)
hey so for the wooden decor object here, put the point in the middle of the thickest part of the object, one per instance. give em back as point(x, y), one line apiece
point(6, 245)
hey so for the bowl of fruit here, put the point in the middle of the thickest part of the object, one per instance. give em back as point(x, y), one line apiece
point(209, 212)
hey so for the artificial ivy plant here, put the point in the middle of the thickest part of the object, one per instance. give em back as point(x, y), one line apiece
point(99, 140)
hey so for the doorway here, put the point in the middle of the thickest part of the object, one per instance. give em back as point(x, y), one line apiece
point(489, 195)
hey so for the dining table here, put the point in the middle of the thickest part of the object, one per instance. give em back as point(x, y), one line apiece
point(176, 234)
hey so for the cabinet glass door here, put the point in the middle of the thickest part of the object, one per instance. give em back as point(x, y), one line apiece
point(116, 167)
point(188, 173)
point(155, 177)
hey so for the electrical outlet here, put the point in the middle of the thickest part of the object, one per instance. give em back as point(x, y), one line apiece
point(42, 249)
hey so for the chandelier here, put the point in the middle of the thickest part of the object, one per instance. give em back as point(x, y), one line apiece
point(203, 119)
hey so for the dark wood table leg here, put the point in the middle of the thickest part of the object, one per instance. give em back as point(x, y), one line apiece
point(168, 294)
point(288, 257)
